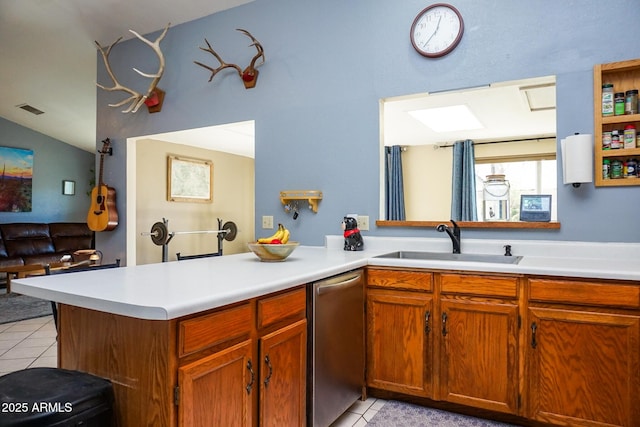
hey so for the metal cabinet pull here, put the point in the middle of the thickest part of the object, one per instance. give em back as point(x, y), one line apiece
point(444, 324)
point(253, 376)
point(268, 378)
point(534, 328)
point(427, 329)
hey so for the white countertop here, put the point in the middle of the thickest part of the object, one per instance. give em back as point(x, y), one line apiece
point(170, 290)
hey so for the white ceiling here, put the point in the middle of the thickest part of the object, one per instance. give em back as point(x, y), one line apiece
point(49, 57)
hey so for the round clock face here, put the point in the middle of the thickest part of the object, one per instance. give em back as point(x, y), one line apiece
point(437, 30)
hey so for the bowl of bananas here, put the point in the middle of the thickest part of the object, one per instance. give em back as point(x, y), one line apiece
point(276, 247)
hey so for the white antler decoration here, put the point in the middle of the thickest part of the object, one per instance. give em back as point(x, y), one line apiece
point(136, 99)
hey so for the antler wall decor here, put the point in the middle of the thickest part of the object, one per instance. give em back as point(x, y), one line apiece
point(249, 75)
point(154, 96)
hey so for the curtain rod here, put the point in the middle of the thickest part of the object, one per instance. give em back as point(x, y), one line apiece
point(436, 146)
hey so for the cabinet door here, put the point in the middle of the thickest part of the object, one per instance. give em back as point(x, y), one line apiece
point(217, 390)
point(479, 354)
point(584, 368)
point(399, 341)
point(283, 372)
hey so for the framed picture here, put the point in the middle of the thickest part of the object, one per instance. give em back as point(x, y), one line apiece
point(16, 177)
point(189, 180)
point(535, 207)
point(68, 187)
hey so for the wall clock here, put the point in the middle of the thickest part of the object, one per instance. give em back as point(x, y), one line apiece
point(437, 30)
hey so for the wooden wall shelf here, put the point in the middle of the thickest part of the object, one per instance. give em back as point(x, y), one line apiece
point(313, 197)
point(624, 75)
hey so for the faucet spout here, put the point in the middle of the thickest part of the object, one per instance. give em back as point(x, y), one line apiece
point(454, 235)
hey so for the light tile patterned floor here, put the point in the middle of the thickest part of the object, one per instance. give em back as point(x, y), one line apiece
point(32, 343)
point(28, 344)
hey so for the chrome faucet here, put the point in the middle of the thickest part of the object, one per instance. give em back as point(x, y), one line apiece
point(454, 235)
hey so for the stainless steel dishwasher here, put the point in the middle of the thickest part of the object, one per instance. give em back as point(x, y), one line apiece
point(336, 368)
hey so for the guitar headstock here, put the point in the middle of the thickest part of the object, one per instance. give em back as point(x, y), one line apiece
point(106, 147)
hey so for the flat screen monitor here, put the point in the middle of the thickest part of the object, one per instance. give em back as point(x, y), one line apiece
point(535, 207)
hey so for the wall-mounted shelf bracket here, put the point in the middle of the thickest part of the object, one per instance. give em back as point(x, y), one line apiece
point(313, 197)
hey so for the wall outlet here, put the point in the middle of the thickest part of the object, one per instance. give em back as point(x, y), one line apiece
point(267, 221)
point(363, 222)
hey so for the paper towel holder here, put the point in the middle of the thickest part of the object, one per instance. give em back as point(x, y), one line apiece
point(577, 160)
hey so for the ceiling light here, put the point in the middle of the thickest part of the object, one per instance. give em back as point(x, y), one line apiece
point(447, 119)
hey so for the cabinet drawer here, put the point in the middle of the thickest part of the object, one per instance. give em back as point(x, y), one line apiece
point(400, 279)
point(291, 305)
point(492, 286)
point(585, 293)
point(206, 331)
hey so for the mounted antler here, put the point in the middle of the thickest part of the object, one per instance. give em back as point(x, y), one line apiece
point(249, 75)
point(137, 99)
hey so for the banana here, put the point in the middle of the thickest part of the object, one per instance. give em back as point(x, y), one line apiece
point(285, 236)
point(275, 236)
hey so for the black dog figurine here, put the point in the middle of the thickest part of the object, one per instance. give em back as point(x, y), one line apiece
point(352, 237)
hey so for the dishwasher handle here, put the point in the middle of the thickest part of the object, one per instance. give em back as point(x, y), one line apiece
point(331, 287)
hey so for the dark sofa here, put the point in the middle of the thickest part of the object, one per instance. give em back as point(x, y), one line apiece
point(38, 243)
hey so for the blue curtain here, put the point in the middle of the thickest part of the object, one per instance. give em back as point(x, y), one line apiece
point(463, 189)
point(394, 185)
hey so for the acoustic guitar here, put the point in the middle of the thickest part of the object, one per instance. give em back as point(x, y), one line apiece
point(103, 215)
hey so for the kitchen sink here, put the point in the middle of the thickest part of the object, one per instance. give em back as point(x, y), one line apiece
point(447, 256)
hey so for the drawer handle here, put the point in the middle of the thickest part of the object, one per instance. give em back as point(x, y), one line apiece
point(427, 329)
point(444, 324)
point(534, 328)
point(268, 362)
point(253, 376)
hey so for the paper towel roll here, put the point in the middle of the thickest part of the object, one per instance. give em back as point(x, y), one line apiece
point(577, 158)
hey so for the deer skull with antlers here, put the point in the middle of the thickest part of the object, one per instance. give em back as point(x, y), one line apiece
point(249, 75)
point(153, 97)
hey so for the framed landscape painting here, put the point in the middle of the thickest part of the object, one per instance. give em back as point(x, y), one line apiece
point(16, 178)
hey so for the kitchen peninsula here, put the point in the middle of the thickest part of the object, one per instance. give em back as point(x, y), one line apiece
point(158, 330)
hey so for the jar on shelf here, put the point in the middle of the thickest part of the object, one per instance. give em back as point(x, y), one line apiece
point(495, 203)
point(631, 168)
point(616, 169)
point(618, 103)
point(616, 141)
point(606, 169)
point(629, 136)
point(607, 99)
point(631, 101)
point(606, 140)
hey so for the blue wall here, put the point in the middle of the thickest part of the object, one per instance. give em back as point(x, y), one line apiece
point(327, 65)
point(53, 162)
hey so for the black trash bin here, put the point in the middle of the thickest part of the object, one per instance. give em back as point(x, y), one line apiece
point(51, 397)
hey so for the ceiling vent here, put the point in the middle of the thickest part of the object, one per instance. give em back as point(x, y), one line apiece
point(30, 109)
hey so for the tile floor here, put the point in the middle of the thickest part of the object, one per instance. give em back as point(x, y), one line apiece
point(28, 344)
point(32, 343)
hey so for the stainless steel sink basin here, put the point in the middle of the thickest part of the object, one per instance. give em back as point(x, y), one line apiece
point(445, 256)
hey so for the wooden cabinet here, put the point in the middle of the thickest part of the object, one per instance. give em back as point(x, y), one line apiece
point(216, 390)
point(624, 75)
point(472, 323)
point(243, 365)
point(583, 364)
point(479, 341)
point(399, 331)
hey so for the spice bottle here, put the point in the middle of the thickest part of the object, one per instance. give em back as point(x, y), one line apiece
point(616, 169)
point(631, 102)
point(630, 136)
point(619, 103)
point(607, 99)
point(606, 169)
point(615, 140)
